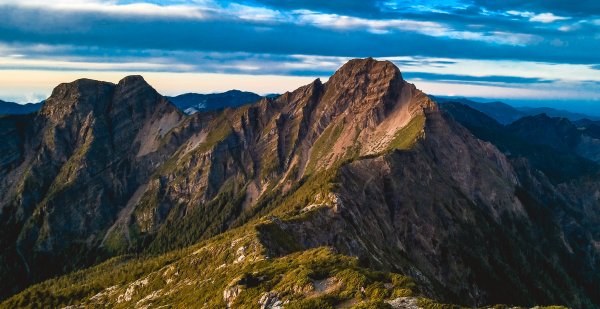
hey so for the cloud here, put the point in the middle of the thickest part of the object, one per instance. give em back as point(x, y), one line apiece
point(427, 28)
point(520, 13)
point(503, 68)
point(148, 65)
point(76, 14)
point(482, 80)
point(564, 7)
point(458, 42)
point(547, 18)
point(110, 8)
point(75, 58)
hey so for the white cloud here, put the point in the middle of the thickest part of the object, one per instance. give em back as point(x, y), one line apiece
point(433, 29)
point(521, 13)
point(506, 68)
point(542, 18)
point(547, 18)
point(568, 28)
point(55, 64)
point(114, 8)
point(349, 22)
point(246, 12)
point(195, 10)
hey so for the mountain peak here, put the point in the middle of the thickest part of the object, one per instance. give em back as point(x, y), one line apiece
point(134, 86)
point(364, 86)
point(135, 83)
point(361, 66)
point(555, 132)
point(82, 94)
point(78, 86)
point(366, 76)
point(132, 79)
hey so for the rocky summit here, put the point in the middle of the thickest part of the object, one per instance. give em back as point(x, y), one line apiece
point(357, 192)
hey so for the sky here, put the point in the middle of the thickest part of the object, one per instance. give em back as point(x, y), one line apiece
point(540, 52)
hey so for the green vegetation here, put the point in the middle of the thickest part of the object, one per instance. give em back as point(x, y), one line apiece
point(270, 161)
point(406, 137)
point(294, 132)
point(69, 170)
point(317, 185)
point(200, 222)
point(116, 243)
point(221, 128)
point(200, 274)
point(426, 303)
point(275, 237)
point(324, 144)
point(319, 278)
point(239, 260)
point(75, 287)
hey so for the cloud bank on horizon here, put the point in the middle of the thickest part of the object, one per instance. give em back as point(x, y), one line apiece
point(535, 49)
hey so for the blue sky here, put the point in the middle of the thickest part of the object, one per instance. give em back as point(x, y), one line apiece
point(516, 50)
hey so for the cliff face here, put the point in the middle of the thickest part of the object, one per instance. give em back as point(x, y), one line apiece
point(365, 163)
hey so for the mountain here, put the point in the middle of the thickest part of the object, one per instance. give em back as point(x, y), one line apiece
point(360, 191)
point(68, 169)
point(552, 112)
point(505, 114)
point(501, 112)
point(9, 108)
point(555, 146)
point(586, 122)
point(589, 127)
point(194, 102)
point(560, 134)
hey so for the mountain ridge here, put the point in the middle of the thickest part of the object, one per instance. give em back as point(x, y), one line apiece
point(365, 164)
point(10, 108)
point(506, 114)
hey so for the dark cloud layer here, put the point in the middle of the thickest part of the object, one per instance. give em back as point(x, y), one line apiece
point(22, 25)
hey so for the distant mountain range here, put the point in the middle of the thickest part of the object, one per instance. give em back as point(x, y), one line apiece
point(506, 114)
point(10, 108)
point(191, 103)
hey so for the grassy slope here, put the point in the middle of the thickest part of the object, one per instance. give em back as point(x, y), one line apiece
point(233, 261)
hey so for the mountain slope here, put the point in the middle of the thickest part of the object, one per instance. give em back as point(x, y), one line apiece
point(365, 165)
